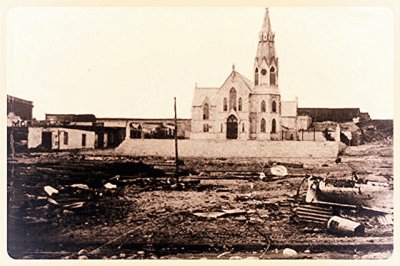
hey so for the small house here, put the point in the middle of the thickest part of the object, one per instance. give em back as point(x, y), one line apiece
point(60, 138)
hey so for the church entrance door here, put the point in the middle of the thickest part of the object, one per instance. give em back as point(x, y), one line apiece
point(232, 127)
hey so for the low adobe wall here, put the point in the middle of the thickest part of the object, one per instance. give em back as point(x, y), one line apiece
point(229, 148)
point(57, 138)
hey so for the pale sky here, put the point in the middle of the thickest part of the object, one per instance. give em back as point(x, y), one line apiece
point(131, 61)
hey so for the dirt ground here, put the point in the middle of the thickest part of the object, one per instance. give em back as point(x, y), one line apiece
point(114, 207)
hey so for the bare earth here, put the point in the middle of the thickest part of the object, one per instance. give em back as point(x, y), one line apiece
point(147, 216)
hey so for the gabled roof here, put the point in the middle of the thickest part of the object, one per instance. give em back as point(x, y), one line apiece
point(234, 74)
point(201, 94)
point(246, 81)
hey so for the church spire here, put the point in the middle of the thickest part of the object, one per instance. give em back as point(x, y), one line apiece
point(266, 46)
point(266, 62)
point(266, 27)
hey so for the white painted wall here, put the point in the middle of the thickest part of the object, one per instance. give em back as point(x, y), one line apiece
point(303, 122)
point(58, 135)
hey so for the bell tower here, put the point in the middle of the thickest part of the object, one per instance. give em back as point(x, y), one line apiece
point(266, 63)
point(265, 102)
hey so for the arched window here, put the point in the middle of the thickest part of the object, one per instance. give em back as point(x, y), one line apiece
point(262, 125)
point(242, 127)
point(273, 128)
point(273, 106)
point(232, 99)
point(225, 104)
point(256, 76)
point(272, 80)
point(253, 126)
point(240, 104)
point(263, 109)
point(206, 112)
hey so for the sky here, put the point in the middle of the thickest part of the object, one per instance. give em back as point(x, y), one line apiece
point(132, 61)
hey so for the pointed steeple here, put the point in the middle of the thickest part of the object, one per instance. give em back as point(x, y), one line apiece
point(266, 62)
point(266, 27)
point(266, 46)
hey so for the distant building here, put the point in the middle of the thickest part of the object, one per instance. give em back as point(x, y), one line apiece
point(247, 110)
point(148, 127)
point(243, 109)
point(59, 138)
point(70, 118)
point(19, 111)
point(334, 114)
point(110, 132)
point(19, 117)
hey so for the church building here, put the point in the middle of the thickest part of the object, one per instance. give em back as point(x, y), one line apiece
point(245, 109)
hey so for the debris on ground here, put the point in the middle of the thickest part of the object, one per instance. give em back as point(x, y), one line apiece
point(347, 193)
point(50, 190)
point(311, 213)
point(223, 213)
point(147, 213)
point(80, 186)
point(288, 252)
point(261, 175)
point(279, 170)
point(343, 226)
point(352, 197)
point(110, 186)
point(211, 215)
point(52, 201)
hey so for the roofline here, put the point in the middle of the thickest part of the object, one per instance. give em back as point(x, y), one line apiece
point(19, 99)
point(323, 108)
point(70, 114)
point(140, 119)
point(76, 127)
point(241, 77)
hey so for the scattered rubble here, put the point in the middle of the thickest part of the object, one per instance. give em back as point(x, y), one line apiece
point(211, 215)
point(80, 186)
point(279, 170)
point(326, 198)
point(50, 190)
point(376, 130)
point(110, 186)
point(288, 252)
point(223, 213)
point(347, 193)
point(342, 226)
point(145, 215)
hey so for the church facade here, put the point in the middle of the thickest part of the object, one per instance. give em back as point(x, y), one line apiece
point(245, 109)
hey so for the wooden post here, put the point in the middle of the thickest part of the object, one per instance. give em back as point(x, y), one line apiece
point(176, 145)
point(12, 143)
point(314, 133)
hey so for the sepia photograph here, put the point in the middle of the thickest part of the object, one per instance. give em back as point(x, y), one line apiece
point(260, 132)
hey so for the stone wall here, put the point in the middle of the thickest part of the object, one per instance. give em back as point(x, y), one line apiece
point(229, 148)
